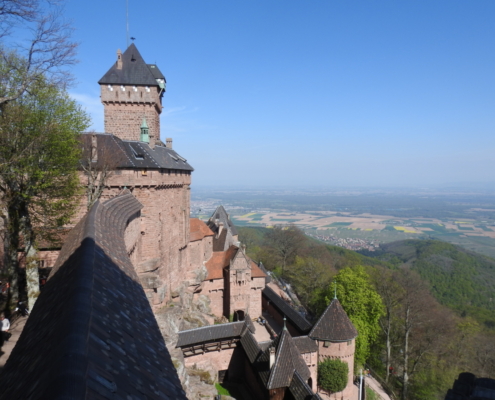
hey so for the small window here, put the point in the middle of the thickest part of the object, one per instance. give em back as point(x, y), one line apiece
point(349, 342)
point(144, 172)
point(326, 344)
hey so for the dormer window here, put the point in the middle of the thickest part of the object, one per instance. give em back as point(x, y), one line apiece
point(148, 89)
point(122, 87)
point(134, 88)
point(110, 88)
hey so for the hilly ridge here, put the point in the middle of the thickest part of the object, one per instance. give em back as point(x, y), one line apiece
point(458, 278)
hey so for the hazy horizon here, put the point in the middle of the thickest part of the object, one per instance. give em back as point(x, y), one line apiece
point(310, 93)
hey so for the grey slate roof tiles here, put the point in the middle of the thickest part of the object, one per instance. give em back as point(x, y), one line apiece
point(288, 359)
point(334, 325)
point(305, 344)
point(134, 71)
point(211, 333)
point(299, 322)
point(300, 389)
point(123, 154)
point(223, 217)
point(91, 333)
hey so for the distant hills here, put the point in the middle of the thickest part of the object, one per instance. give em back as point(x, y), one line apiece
point(460, 279)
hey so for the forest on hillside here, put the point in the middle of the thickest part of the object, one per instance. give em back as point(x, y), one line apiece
point(422, 308)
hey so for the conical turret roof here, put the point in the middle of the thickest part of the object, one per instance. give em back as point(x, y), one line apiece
point(334, 325)
point(134, 71)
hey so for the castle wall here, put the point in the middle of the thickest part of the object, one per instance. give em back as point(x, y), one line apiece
point(160, 254)
point(199, 251)
point(125, 107)
point(311, 360)
point(343, 351)
point(257, 286)
point(214, 289)
point(219, 360)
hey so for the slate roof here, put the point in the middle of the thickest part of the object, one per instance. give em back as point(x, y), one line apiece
point(334, 325)
point(134, 71)
point(198, 230)
point(211, 333)
point(305, 344)
point(288, 360)
point(300, 389)
point(250, 346)
point(121, 154)
point(223, 217)
point(92, 333)
point(297, 320)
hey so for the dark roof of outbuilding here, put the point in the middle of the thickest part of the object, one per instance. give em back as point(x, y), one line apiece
point(297, 320)
point(122, 154)
point(211, 333)
point(334, 325)
point(250, 346)
point(92, 333)
point(223, 217)
point(305, 344)
point(134, 71)
point(288, 360)
point(300, 389)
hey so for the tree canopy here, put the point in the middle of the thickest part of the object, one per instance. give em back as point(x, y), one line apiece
point(333, 375)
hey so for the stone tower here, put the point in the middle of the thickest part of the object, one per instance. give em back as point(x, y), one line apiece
point(336, 338)
point(131, 92)
point(239, 285)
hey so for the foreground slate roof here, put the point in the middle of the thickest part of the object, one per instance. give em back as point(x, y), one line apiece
point(91, 333)
point(301, 323)
point(334, 325)
point(122, 154)
point(134, 71)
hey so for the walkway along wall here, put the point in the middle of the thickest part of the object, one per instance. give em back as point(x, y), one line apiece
point(92, 333)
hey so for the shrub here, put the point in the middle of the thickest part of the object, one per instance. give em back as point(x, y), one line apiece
point(332, 375)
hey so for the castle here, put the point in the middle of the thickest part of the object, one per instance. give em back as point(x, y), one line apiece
point(276, 358)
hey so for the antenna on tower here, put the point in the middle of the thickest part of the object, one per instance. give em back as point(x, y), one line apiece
point(127, 20)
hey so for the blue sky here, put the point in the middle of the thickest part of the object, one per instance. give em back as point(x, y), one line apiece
point(321, 93)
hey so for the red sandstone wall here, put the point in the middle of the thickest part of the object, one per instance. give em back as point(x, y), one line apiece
point(124, 111)
point(220, 360)
point(257, 285)
point(311, 360)
point(214, 289)
point(344, 352)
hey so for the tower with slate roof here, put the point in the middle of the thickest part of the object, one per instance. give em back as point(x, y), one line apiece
point(336, 338)
point(132, 91)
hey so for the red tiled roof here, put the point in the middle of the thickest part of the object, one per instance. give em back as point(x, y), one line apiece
point(198, 230)
point(221, 259)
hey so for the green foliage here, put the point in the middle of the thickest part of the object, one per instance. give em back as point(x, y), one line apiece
point(308, 276)
point(362, 304)
point(332, 375)
point(222, 390)
point(371, 394)
point(458, 278)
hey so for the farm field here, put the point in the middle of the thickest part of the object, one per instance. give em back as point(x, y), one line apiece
point(364, 219)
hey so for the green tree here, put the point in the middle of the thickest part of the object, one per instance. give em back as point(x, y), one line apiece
point(308, 275)
point(333, 375)
point(362, 304)
point(286, 242)
point(39, 154)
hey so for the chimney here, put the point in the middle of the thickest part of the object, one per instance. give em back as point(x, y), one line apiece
point(272, 356)
point(169, 143)
point(119, 59)
point(94, 148)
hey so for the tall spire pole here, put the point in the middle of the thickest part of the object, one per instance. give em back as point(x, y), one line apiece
point(127, 21)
